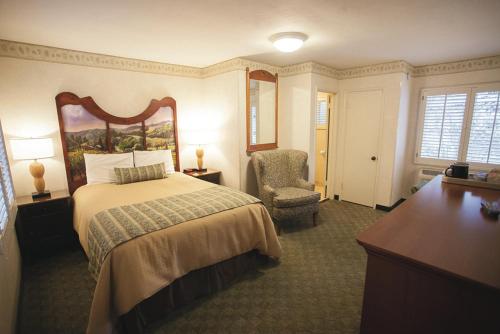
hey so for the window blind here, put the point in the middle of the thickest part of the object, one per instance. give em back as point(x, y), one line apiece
point(442, 126)
point(484, 138)
point(7, 191)
point(4, 217)
point(322, 112)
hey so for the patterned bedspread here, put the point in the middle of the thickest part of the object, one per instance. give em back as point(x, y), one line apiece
point(112, 227)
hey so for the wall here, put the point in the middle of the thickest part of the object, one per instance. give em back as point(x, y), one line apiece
point(27, 106)
point(419, 83)
point(10, 278)
point(398, 189)
point(297, 111)
point(294, 115)
point(220, 118)
point(217, 104)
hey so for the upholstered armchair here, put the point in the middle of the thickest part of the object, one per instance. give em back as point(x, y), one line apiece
point(282, 188)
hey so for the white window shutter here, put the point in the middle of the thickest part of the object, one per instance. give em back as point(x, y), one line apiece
point(7, 188)
point(484, 138)
point(442, 126)
point(321, 113)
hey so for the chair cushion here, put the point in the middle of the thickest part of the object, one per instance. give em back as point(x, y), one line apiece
point(280, 214)
point(290, 197)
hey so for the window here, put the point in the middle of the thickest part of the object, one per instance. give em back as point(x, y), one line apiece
point(459, 124)
point(7, 191)
point(484, 139)
point(321, 113)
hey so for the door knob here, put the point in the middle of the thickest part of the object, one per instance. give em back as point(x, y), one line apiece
point(373, 158)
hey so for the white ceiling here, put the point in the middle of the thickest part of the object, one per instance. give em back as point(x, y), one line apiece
point(343, 33)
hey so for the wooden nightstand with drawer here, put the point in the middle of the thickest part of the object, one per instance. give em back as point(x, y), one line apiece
point(210, 175)
point(44, 225)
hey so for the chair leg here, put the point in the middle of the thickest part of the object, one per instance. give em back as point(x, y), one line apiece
point(315, 216)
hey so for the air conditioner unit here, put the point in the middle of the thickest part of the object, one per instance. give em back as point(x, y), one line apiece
point(428, 174)
point(424, 176)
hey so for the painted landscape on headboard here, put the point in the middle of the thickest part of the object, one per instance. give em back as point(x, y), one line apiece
point(160, 132)
point(83, 133)
point(87, 128)
point(126, 138)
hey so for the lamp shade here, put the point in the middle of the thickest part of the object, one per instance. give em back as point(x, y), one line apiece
point(32, 148)
point(200, 137)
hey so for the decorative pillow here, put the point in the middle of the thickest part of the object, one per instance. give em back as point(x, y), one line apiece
point(145, 158)
point(100, 167)
point(138, 174)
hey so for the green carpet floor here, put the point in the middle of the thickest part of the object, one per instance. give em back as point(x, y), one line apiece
point(316, 288)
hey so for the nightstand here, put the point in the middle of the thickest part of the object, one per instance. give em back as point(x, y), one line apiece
point(44, 225)
point(210, 175)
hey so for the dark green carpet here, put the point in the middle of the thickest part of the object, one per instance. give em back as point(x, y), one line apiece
point(317, 287)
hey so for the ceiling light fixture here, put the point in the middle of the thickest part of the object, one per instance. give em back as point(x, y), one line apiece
point(288, 41)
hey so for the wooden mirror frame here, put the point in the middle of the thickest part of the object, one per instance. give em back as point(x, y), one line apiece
point(262, 75)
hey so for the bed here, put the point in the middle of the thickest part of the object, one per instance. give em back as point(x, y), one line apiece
point(141, 279)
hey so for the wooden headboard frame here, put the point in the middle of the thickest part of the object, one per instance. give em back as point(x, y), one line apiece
point(89, 105)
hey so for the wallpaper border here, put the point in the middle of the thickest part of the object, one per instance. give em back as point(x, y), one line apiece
point(477, 64)
point(28, 51)
point(57, 55)
point(399, 66)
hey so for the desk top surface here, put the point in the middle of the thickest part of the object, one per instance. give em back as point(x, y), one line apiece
point(442, 227)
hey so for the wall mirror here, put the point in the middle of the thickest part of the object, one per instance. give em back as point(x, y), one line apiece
point(262, 110)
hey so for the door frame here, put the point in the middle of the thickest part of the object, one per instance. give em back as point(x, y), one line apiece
point(332, 138)
point(379, 136)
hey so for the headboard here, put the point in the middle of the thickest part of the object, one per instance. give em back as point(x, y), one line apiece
point(86, 128)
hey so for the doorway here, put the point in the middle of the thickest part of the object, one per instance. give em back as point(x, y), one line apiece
point(363, 111)
point(324, 107)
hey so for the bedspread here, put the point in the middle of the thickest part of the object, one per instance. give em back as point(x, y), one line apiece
point(137, 269)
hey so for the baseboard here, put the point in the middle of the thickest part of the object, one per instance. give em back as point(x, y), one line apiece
point(389, 208)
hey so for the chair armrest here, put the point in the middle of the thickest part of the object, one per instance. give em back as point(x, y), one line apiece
point(301, 183)
point(268, 193)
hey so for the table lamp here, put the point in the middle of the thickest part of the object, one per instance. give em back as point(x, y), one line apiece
point(199, 157)
point(199, 139)
point(34, 149)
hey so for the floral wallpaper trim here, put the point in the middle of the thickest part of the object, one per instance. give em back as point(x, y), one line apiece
point(478, 64)
point(21, 50)
point(65, 56)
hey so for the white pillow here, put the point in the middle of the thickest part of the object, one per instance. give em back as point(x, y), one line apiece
point(100, 168)
point(144, 158)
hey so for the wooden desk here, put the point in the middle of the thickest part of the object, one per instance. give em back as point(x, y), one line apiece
point(434, 264)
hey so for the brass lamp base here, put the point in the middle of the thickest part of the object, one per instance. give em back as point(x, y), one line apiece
point(37, 170)
point(43, 194)
point(199, 156)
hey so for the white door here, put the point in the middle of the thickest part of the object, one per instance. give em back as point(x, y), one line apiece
point(363, 110)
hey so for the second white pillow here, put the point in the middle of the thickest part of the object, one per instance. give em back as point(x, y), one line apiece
point(145, 158)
